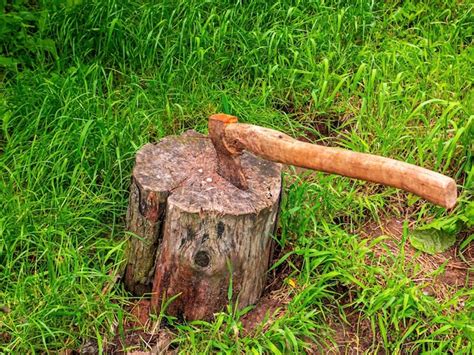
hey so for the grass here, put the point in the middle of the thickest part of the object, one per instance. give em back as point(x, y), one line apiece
point(103, 78)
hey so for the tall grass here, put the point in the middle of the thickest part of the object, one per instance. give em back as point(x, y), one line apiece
point(390, 78)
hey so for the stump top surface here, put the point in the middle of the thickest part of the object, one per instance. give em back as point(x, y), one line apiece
point(185, 166)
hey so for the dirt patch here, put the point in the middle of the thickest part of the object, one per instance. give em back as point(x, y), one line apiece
point(270, 307)
point(276, 296)
point(138, 335)
point(321, 127)
point(325, 127)
point(5, 337)
point(350, 336)
point(441, 275)
point(141, 335)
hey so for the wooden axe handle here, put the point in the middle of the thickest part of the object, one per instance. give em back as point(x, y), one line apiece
point(279, 147)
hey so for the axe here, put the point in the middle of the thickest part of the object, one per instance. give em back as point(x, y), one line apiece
point(230, 138)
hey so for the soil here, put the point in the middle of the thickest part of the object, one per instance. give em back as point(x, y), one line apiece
point(458, 267)
point(353, 335)
point(141, 334)
point(275, 296)
point(269, 308)
point(322, 128)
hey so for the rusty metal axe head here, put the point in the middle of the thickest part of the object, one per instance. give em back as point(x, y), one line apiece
point(228, 153)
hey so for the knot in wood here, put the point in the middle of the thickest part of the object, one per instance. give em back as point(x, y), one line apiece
point(202, 258)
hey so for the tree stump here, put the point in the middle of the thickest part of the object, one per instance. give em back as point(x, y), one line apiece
point(197, 235)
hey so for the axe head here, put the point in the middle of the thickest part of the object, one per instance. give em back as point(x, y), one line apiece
point(228, 154)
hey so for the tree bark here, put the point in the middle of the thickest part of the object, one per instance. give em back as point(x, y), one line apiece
point(197, 238)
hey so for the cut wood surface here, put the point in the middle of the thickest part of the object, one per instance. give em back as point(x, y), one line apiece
point(195, 231)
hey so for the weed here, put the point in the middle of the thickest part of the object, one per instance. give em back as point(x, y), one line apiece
point(85, 84)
